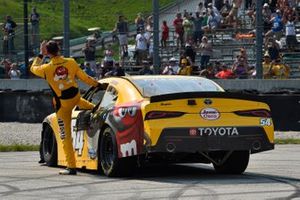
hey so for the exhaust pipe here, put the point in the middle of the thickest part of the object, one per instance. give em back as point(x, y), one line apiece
point(170, 147)
point(256, 145)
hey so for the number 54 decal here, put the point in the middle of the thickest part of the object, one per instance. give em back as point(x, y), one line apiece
point(265, 122)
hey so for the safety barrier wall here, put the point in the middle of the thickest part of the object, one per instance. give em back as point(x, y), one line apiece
point(31, 106)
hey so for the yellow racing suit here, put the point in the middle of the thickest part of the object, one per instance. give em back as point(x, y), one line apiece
point(60, 73)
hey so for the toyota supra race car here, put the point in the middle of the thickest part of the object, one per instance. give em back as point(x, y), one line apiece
point(174, 119)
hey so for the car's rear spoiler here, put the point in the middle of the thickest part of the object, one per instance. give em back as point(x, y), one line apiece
point(187, 95)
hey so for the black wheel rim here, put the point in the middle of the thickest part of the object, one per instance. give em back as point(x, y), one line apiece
point(107, 151)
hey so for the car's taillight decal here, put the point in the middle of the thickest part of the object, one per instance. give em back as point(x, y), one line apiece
point(254, 113)
point(162, 114)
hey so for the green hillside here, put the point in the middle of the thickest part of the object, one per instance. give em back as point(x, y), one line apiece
point(84, 13)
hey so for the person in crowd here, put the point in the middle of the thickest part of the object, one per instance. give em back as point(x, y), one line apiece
point(179, 30)
point(164, 34)
point(240, 67)
point(225, 9)
point(290, 34)
point(149, 26)
point(7, 65)
point(139, 22)
point(146, 70)
point(88, 70)
point(243, 53)
point(225, 73)
point(5, 49)
point(277, 26)
point(205, 20)
point(9, 30)
point(218, 66)
point(188, 27)
point(212, 22)
point(198, 32)
point(272, 4)
point(219, 4)
point(172, 68)
point(121, 28)
point(267, 66)
point(108, 59)
point(267, 16)
point(209, 72)
point(278, 70)
point(35, 31)
point(184, 69)
point(190, 52)
point(232, 17)
point(215, 12)
point(200, 8)
point(206, 52)
point(89, 52)
point(61, 74)
point(14, 73)
point(117, 70)
point(141, 46)
point(273, 49)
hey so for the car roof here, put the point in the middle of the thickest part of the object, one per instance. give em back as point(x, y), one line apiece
point(127, 86)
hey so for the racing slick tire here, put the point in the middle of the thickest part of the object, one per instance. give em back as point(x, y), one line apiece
point(235, 164)
point(49, 146)
point(111, 164)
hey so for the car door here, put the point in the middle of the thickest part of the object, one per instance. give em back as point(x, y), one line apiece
point(85, 138)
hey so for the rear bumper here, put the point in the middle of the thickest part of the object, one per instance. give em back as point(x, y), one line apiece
point(192, 140)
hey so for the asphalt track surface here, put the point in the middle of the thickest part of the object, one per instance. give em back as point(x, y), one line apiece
point(270, 175)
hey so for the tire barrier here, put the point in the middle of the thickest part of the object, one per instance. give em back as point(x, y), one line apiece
point(33, 107)
point(25, 106)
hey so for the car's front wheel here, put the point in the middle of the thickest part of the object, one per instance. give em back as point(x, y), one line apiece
point(49, 146)
point(111, 165)
point(236, 163)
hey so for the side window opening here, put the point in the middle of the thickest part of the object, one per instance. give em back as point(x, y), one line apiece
point(110, 97)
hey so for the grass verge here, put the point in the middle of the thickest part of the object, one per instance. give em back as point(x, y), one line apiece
point(19, 147)
point(24, 147)
point(287, 141)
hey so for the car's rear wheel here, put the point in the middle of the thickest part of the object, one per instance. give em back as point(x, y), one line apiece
point(236, 163)
point(111, 165)
point(49, 146)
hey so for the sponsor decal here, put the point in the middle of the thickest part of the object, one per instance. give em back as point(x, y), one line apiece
point(61, 129)
point(265, 122)
point(127, 119)
point(61, 73)
point(210, 114)
point(218, 131)
point(129, 149)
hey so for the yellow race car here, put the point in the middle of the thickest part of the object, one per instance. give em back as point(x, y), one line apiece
point(176, 119)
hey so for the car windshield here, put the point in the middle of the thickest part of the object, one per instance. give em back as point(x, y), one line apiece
point(160, 86)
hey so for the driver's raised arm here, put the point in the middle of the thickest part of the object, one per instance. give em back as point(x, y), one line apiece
point(84, 77)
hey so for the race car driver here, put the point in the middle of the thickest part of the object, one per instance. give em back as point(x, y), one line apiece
point(60, 73)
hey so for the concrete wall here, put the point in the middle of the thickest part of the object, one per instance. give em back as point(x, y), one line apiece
point(260, 85)
point(31, 101)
